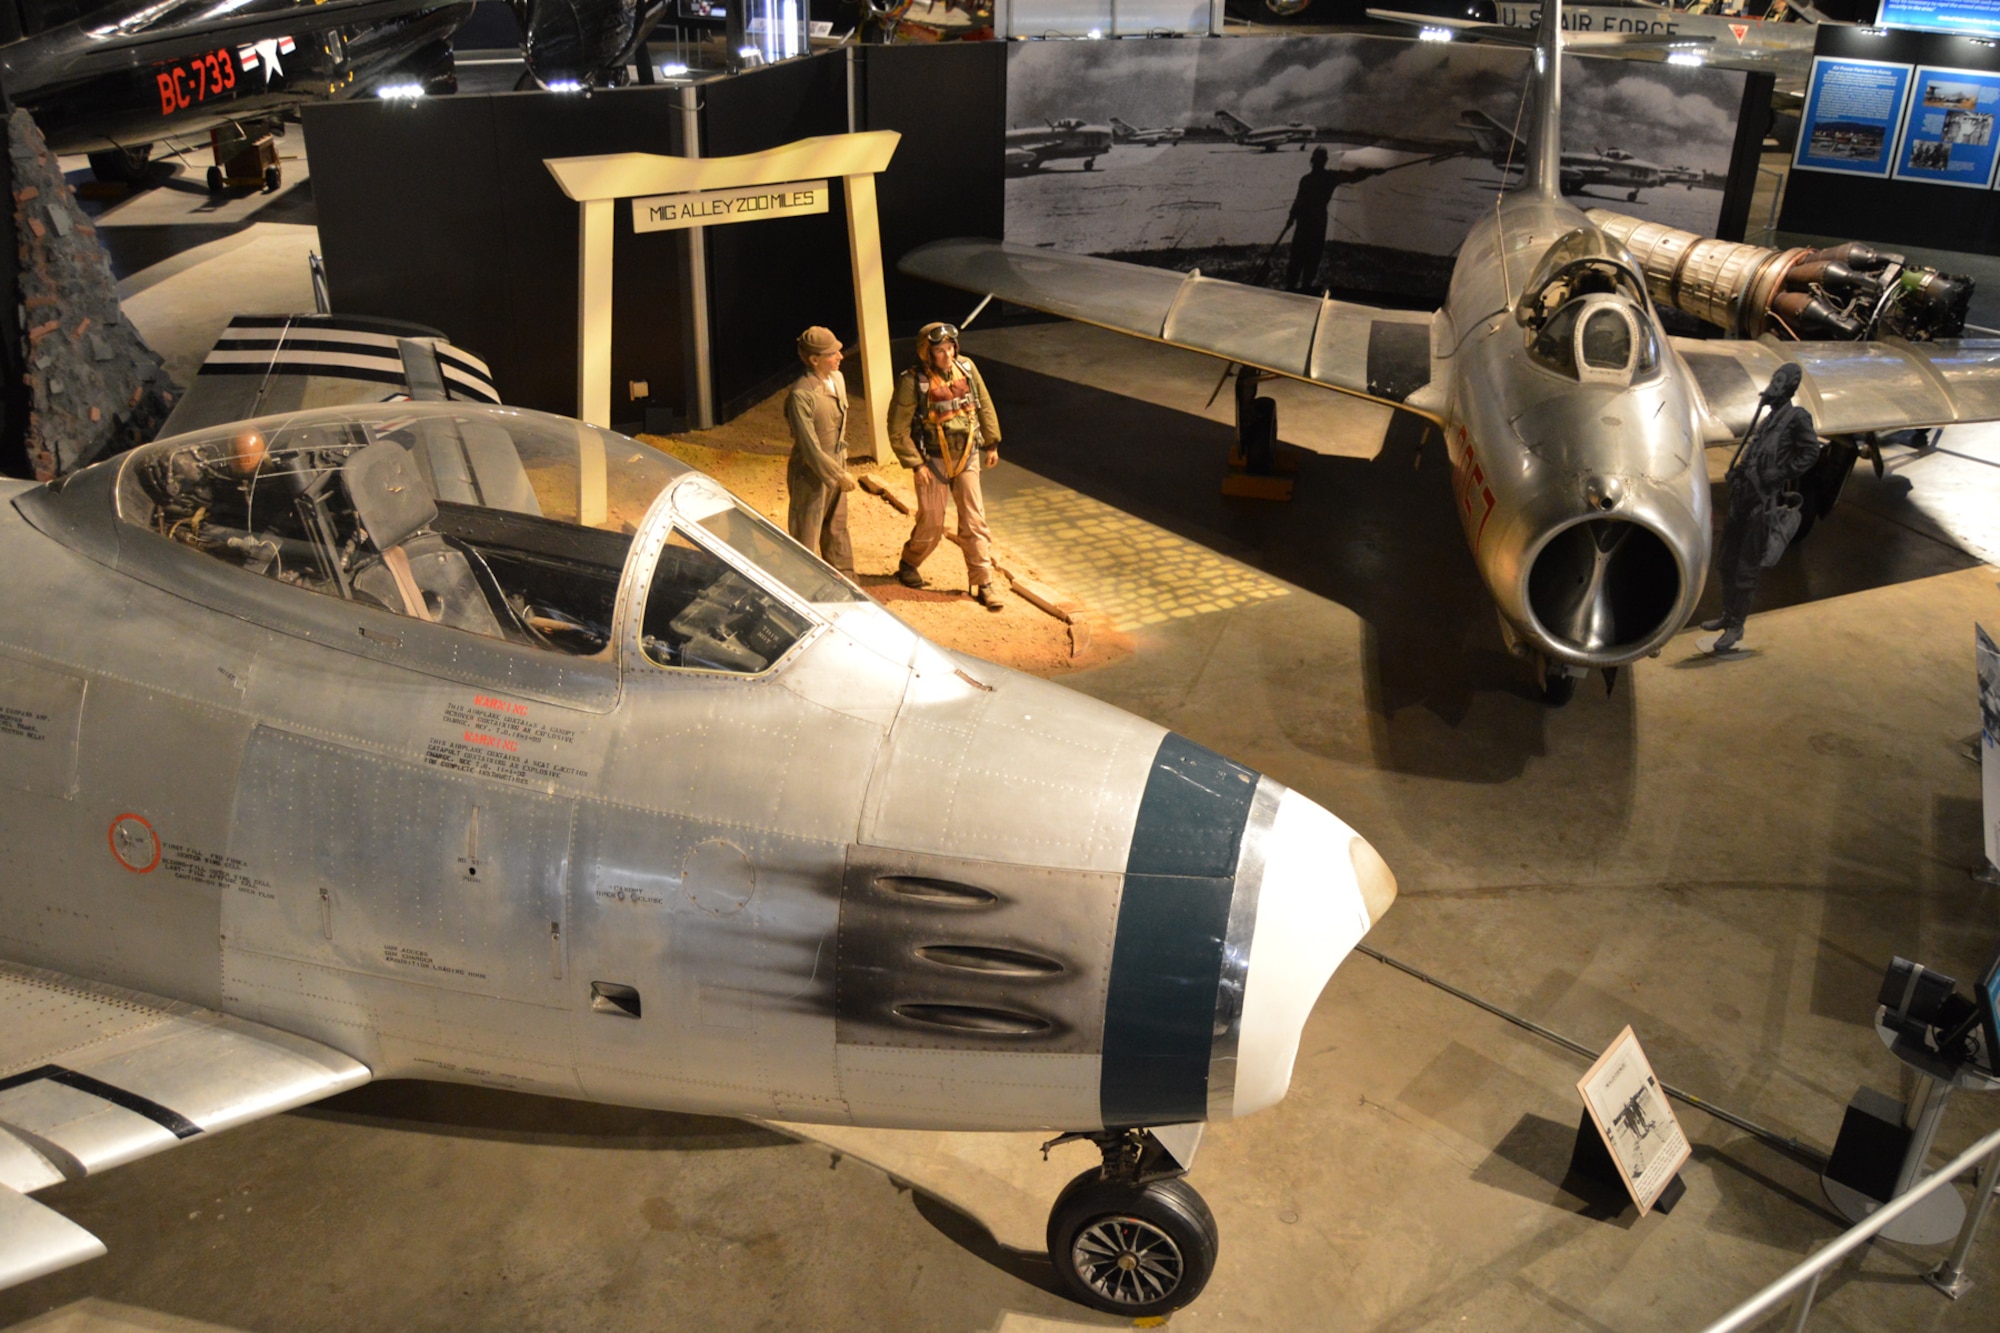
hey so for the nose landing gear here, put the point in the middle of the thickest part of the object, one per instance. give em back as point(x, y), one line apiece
point(1131, 1237)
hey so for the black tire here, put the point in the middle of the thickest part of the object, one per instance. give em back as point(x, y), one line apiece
point(273, 178)
point(215, 180)
point(122, 166)
point(1131, 1250)
point(1557, 688)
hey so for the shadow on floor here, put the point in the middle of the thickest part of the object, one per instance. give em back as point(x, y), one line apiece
point(1377, 536)
point(515, 1117)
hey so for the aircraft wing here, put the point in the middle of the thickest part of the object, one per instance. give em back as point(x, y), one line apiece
point(1850, 387)
point(1384, 355)
point(92, 1077)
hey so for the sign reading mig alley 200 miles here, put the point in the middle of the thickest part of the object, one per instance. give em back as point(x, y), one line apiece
point(707, 208)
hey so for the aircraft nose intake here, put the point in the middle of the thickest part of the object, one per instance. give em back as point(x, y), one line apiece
point(1322, 887)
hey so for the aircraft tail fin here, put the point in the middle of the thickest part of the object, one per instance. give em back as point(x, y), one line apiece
point(1118, 124)
point(1545, 145)
point(1235, 127)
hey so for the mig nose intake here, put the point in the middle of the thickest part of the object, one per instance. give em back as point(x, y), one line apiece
point(1323, 886)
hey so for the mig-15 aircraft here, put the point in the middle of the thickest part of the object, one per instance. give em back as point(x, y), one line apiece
point(1574, 425)
point(1612, 168)
point(1270, 138)
point(439, 740)
point(1031, 149)
point(1145, 138)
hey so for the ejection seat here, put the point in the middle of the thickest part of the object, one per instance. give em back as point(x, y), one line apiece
point(412, 570)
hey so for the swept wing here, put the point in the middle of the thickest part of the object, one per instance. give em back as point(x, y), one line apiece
point(1384, 355)
point(93, 1076)
point(1851, 387)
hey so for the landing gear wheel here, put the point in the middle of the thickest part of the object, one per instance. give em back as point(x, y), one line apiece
point(273, 178)
point(1131, 1250)
point(215, 180)
point(1558, 686)
point(1090, 164)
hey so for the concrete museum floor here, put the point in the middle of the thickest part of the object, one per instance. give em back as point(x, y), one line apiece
point(1723, 855)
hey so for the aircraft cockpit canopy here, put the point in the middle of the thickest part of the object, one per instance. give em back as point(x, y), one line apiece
point(1586, 314)
point(502, 523)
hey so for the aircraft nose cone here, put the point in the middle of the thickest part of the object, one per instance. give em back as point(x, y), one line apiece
point(1322, 887)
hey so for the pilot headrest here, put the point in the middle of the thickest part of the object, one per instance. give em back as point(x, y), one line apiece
point(389, 497)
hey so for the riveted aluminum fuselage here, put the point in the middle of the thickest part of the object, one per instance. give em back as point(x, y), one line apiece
point(876, 883)
point(1535, 452)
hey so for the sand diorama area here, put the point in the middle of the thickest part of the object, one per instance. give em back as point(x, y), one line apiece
point(748, 456)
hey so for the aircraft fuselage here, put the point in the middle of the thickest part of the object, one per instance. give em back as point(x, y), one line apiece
point(1585, 504)
point(867, 882)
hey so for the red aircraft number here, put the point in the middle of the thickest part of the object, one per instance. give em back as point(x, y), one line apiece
point(195, 80)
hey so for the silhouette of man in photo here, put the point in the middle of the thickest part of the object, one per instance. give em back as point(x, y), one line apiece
point(1308, 215)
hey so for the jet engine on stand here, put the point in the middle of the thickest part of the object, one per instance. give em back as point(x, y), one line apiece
point(1844, 293)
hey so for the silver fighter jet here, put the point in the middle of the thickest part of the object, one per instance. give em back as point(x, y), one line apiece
point(446, 741)
point(1574, 425)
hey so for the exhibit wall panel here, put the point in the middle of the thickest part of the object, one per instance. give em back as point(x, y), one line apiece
point(770, 280)
point(949, 102)
point(1942, 200)
point(442, 212)
point(1418, 133)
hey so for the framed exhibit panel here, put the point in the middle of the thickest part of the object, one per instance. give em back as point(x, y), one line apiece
point(1853, 109)
point(1966, 17)
point(1948, 130)
point(1631, 1112)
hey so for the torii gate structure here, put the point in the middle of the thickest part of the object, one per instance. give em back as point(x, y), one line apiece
point(697, 192)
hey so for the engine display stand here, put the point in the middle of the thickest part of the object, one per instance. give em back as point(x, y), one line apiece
point(1938, 1218)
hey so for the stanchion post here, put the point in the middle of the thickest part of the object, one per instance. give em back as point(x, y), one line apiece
point(1949, 1277)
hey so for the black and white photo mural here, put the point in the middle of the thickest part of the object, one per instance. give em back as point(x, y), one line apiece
point(1237, 156)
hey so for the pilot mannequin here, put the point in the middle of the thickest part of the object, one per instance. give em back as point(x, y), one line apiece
point(944, 429)
point(816, 478)
point(1780, 448)
point(195, 488)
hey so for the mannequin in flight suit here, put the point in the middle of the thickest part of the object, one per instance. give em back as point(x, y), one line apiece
point(943, 427)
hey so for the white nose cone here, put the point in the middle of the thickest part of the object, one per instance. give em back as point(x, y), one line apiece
point(1323, 887)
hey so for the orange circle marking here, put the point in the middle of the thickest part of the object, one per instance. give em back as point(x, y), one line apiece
point(132, 839)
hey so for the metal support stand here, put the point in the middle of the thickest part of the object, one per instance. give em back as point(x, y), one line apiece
point(1949, 1277)
point(1942, 1214)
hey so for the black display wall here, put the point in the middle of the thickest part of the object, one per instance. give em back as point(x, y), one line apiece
point(950, 105)
point(767, 281)
point(1898, 212)
point(440, 211)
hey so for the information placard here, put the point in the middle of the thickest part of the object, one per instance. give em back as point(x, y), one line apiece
point(1972, 17)
point(1948, 134)
point(1630, 1110)
point(1853, 108)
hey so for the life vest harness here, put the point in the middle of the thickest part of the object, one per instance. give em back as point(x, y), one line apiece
point(946, 426)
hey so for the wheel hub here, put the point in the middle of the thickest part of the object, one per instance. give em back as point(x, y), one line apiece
point(1127, 1260)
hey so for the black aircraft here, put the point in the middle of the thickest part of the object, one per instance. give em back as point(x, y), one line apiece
point(111, 79)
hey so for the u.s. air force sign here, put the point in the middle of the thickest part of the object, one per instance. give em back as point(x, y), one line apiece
point(708, 208)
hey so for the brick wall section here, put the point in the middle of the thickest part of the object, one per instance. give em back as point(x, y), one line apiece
point(95, 386)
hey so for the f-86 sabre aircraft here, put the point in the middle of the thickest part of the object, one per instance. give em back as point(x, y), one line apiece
point(445, 741)
point(1575, 427)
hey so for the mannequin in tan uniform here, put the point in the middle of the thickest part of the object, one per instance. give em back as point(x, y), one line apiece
point(943, 427)
point(816, 478)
